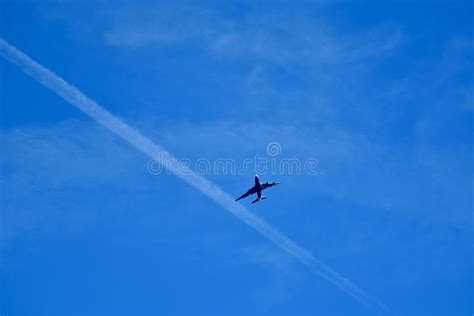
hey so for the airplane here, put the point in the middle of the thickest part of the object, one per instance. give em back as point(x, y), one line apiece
point(258, 188)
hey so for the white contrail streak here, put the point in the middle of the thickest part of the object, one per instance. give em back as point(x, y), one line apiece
point(72, 95)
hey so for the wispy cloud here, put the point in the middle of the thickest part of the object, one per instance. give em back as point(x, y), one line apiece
point(358, 170)
point(42, 166)
point(279, 37)
point(283, 277)
point(159, 25)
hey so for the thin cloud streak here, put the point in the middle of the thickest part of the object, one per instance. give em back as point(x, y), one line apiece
point(72, 95)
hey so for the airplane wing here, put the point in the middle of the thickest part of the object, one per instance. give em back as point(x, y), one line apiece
point(250, 191)
point(267, 185)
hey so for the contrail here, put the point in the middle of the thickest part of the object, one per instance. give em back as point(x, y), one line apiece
point(75, 97)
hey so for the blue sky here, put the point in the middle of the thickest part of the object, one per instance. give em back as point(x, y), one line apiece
point(379, 93)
